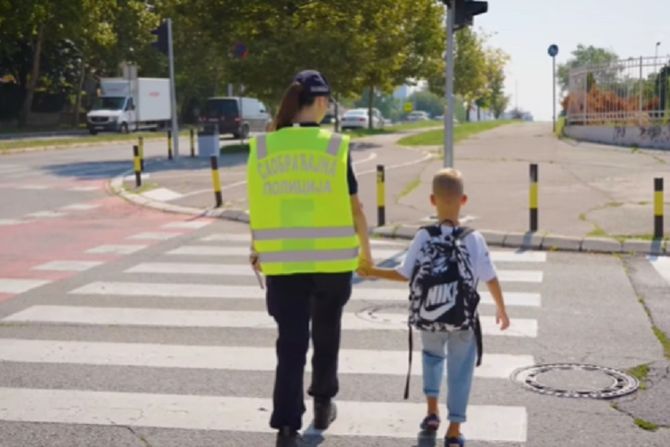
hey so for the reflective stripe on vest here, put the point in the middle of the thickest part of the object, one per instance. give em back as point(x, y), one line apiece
point(299, 202)
point(303, 233)
point(310, 256)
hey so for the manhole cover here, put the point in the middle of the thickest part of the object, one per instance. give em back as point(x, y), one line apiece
point(379, 315)
point(576, 380)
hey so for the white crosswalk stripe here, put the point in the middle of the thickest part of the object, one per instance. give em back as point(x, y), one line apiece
point(236, 358)
point(486, 422)
point(662, 266)
point(522, 327)
point(178, 277)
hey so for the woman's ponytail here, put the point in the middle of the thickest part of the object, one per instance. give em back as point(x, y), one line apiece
point(289, 107)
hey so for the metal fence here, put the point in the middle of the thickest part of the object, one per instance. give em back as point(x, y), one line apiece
point(629, 92)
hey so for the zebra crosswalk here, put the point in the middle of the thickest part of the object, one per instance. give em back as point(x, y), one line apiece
point(201, 284)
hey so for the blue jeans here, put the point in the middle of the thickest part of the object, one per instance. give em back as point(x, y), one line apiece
point(459, 348)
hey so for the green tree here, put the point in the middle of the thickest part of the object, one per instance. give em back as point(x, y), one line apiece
point(494, 97)
point(584, 56)
point(428, 102)
point(470, 69)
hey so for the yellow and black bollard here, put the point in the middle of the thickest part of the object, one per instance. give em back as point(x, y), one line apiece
point(381, 197)
point(658, 208)
point(533, 198)
point(216, 180)
point(141, 145)
point(137, 167)
point(169, 138)
point(192, 143)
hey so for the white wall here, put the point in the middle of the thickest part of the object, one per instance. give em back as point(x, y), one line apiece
point(657, 137)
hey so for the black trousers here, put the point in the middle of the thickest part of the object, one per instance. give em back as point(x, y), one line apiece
point(294, 300)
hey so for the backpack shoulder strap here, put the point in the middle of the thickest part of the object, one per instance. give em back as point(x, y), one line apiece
point(433, 230)
point(463, 232)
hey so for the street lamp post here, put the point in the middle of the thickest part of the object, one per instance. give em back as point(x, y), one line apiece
point(553, 51)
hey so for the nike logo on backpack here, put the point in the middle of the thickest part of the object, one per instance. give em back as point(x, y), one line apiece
point(443, 296)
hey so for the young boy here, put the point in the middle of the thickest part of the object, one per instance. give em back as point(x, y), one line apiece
point(460, 345)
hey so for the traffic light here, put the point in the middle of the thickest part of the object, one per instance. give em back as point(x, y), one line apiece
point(161, 44)
point(465, 11)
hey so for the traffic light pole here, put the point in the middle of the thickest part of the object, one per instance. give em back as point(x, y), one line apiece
point(448, 160)
point(173, 94)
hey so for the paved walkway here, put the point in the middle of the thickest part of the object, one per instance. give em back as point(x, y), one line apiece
point(586, 190)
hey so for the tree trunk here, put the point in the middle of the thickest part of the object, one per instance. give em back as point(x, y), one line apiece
point(371, 99)
point(30, 91)
point(77, 102)
point(479, 113)
point(468, 107)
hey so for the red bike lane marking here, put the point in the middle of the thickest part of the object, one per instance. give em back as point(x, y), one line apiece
point(32, 243)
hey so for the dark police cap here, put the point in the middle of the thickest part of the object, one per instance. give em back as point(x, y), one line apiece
point(315, 83)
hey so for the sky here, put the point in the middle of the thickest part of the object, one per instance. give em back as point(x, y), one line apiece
point(525, 29)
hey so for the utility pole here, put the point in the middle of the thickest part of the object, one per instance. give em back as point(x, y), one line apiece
point(459, 14)
point(448, 159)
point(173, 91)
point(553, 51)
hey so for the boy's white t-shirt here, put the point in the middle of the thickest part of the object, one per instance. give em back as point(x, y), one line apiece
point(482, 266)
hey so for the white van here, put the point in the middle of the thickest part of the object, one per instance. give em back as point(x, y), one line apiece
point(125, 105)
point(236, 115)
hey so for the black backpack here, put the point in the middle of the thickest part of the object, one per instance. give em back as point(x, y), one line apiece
point(443, 291)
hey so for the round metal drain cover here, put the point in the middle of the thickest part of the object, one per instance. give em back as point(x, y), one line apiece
point(576, 380)
point(379, 315)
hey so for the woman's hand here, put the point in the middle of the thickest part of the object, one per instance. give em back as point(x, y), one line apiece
point(255, 261)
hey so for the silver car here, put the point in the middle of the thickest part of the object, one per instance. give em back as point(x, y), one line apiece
point(358, 119)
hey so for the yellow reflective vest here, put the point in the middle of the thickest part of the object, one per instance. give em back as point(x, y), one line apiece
point(299, 204)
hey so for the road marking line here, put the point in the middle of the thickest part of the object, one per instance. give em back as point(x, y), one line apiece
point(662, 266)
point(33, 187)
point(84, 188)
point(162, 194)
point(234, 358)
point(45, 214)
point(13, 285)
point(68, 266)
point(119, 316)
point(207, 250)
point(193, 225)
point(80, 207)
point(218, 291)
point(154, 236)
point(246, 237)
point(516, 256)
point(7, 222)
point(241, 414)
point(119, 249)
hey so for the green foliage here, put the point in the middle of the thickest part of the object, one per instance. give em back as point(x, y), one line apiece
point(584, 56)
point(461, 132)
point(428, 102)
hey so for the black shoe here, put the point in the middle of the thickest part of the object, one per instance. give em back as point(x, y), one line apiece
point(325, 413)
point(286, 437)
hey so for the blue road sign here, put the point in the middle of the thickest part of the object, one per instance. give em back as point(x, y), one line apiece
point(553, 50)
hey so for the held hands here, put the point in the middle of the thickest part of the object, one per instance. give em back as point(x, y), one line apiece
point(502, 319)
point(365, 265)
point(254, 260)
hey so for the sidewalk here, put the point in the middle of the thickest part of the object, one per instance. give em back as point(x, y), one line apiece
point(592, 197)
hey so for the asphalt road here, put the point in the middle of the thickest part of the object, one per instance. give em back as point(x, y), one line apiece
point(122, 326)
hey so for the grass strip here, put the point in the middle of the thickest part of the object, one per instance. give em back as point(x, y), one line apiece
point(461, 132)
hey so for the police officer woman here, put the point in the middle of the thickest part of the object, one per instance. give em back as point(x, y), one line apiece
point(309, 234)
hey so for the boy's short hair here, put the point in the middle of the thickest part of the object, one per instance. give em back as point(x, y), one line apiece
point(448, 182)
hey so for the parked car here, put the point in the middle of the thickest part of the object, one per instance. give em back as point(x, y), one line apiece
point(358, 119)
point(418, 115)
point(235, 115)
point(130, 104)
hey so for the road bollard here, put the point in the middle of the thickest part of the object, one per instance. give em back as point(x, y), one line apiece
point(137, 167)
point(192, 143)
point(169, 138)
point(141, 144)
point(533, 198)
point(216, 180)
point(658, 208)
point(381, 197)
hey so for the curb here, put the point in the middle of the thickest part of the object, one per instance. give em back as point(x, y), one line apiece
point(537, 241)
point(116, 187)
point(508, 239)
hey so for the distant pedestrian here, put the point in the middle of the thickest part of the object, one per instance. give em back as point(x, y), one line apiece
point(308, 229)
point(444, 263)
